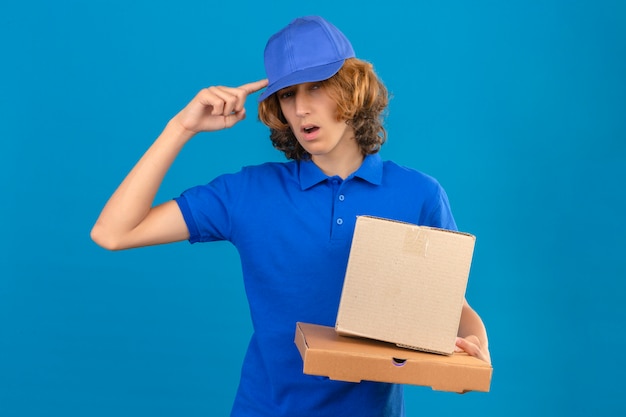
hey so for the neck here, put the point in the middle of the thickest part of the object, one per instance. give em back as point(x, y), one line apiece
point(341, 166)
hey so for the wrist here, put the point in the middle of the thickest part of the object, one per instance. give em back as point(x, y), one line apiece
point(176, 130)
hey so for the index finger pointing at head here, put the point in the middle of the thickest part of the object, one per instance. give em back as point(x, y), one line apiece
point(254, 86)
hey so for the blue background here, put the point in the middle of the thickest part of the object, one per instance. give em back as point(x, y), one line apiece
point(517, 107)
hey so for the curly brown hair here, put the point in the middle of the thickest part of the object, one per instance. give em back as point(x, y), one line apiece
point(361, 101)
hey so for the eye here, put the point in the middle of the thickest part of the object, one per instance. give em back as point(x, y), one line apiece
point(285, 94)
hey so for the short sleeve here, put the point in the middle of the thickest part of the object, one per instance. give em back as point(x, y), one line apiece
point(208, 209)
point(441, 214)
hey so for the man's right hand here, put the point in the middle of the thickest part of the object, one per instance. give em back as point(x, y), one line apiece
point(217, 107)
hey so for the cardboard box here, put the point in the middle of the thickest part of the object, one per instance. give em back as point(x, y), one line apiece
point(325, 353)
point(405, 284)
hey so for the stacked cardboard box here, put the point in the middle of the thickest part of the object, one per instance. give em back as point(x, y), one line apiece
point(403, 293)
point(326, 353)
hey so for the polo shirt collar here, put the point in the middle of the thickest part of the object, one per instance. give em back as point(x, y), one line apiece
point(371, 170)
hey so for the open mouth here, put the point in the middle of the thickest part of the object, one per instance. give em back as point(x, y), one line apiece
point(310, 129)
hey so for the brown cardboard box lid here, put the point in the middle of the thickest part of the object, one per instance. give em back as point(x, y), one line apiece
point(326, 353)
point(405, 284)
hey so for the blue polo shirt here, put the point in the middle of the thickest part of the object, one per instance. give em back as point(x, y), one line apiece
point(292, 226)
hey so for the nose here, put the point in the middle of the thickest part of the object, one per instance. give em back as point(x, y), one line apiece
point(302, 104)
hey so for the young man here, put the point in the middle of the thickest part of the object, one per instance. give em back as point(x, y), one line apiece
point(291, 222)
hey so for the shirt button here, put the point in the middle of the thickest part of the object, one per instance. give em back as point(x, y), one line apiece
point(341, 197)
point(339, 221)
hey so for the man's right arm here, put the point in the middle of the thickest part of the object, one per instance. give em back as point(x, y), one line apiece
point(129, 218)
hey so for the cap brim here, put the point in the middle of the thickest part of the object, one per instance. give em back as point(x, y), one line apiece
point(308, 75)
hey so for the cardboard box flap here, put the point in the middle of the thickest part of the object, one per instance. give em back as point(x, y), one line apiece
point(326, 353)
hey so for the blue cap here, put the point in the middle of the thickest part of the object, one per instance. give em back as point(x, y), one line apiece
point(309, 49)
